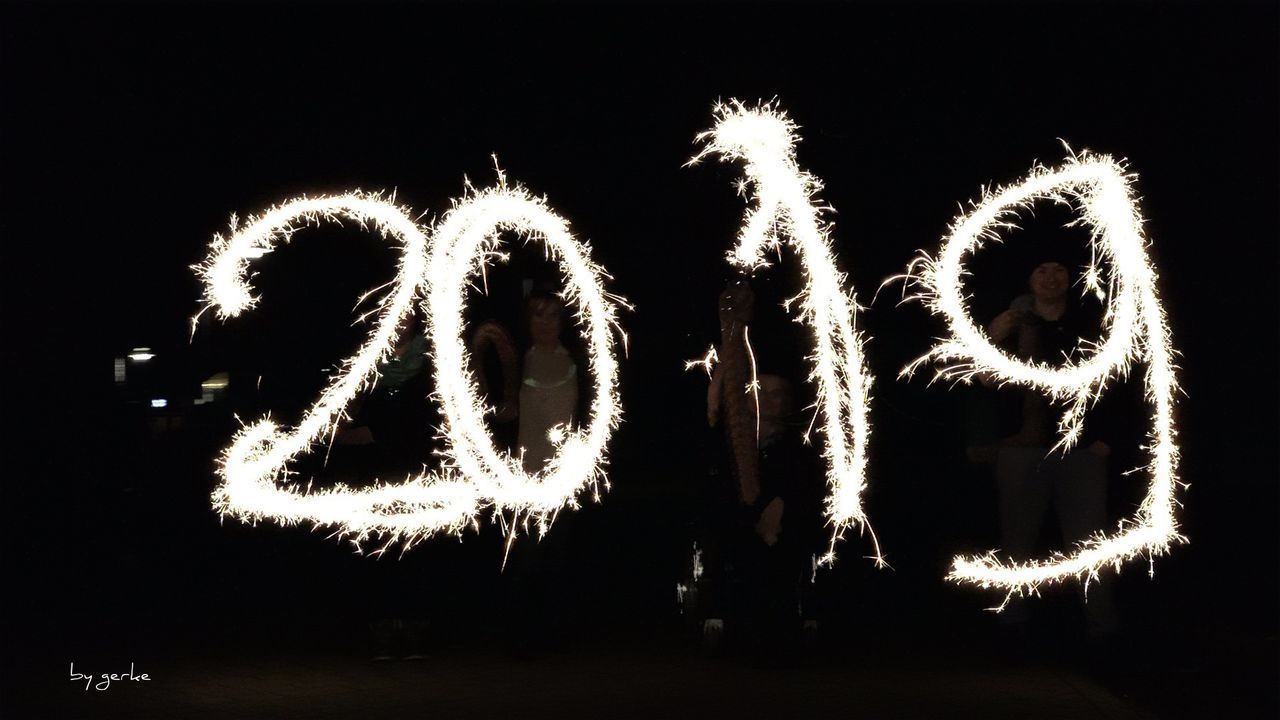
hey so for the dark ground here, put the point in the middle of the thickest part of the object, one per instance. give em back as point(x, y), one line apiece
point(243, 622)
point(635, 678)
point(315, 673)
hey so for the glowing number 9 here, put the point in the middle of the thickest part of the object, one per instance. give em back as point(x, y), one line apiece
point(765, 139)
point(474, 476)
point(1135, 330)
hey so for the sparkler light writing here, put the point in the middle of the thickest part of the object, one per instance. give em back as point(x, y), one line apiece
point(474, 476)
point(1135, 330)
point(765, 139)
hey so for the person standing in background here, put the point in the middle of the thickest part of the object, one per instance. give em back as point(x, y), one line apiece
point(1044, 326)
point(549, 387)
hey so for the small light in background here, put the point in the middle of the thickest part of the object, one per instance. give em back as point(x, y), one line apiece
point(217, 381)
point(159, 403)
point(120, 368)
point(141, 354)
point(212, 387)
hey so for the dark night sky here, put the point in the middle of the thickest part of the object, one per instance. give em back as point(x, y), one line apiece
point(129, 134)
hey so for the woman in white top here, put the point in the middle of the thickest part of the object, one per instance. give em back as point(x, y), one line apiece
point(549, 390)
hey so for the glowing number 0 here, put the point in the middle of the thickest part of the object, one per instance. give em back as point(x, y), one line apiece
point(765, 139)
point(1135, 330)
point(474, 476)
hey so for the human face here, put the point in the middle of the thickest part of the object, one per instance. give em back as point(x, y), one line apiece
point(1049, 281)
point(545, 323)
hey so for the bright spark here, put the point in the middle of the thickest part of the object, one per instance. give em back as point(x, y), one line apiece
point(1101, 191)
point(765, 139)
point(474, 476)
point(706, 362)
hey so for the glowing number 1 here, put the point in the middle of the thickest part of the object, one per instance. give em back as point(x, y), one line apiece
point(1136, 331)
point(474, 476)
point(765, 139)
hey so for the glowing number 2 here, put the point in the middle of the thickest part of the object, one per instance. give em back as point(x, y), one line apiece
point(1136, 330)
point(474, 475)
point(765, 139)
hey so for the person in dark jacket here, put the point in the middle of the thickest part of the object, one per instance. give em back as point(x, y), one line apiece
point(758, 548)
point(1045, 326)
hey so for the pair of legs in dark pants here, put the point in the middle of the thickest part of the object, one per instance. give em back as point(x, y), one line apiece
point(755, 588)
point(538, 588)
point(768, 593)
point(1028, 479)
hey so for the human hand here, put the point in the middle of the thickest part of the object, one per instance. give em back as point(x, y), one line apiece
point(1003, 325)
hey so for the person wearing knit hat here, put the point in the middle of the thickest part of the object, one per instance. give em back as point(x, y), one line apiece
point(1048, 326)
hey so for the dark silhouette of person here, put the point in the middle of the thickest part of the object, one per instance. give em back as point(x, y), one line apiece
point(762, 513)
point(1046, 326)
point(538, 583)
point(549, 386)
point(389, 438)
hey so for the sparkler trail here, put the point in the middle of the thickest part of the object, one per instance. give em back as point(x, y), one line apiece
point(474, 476)
point(753, 386)
point(1135, 329)
point(707, 363)
point(764, 139)
point(464, 238)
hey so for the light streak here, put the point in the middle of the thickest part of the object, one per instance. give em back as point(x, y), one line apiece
point(1135, 328)
point(707, 362)
point(764, 139)
point(753, 386)
point(696, 575)
point(474, 476)
point(463, 239)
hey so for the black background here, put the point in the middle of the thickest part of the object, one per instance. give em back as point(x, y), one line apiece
point(130, 133)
